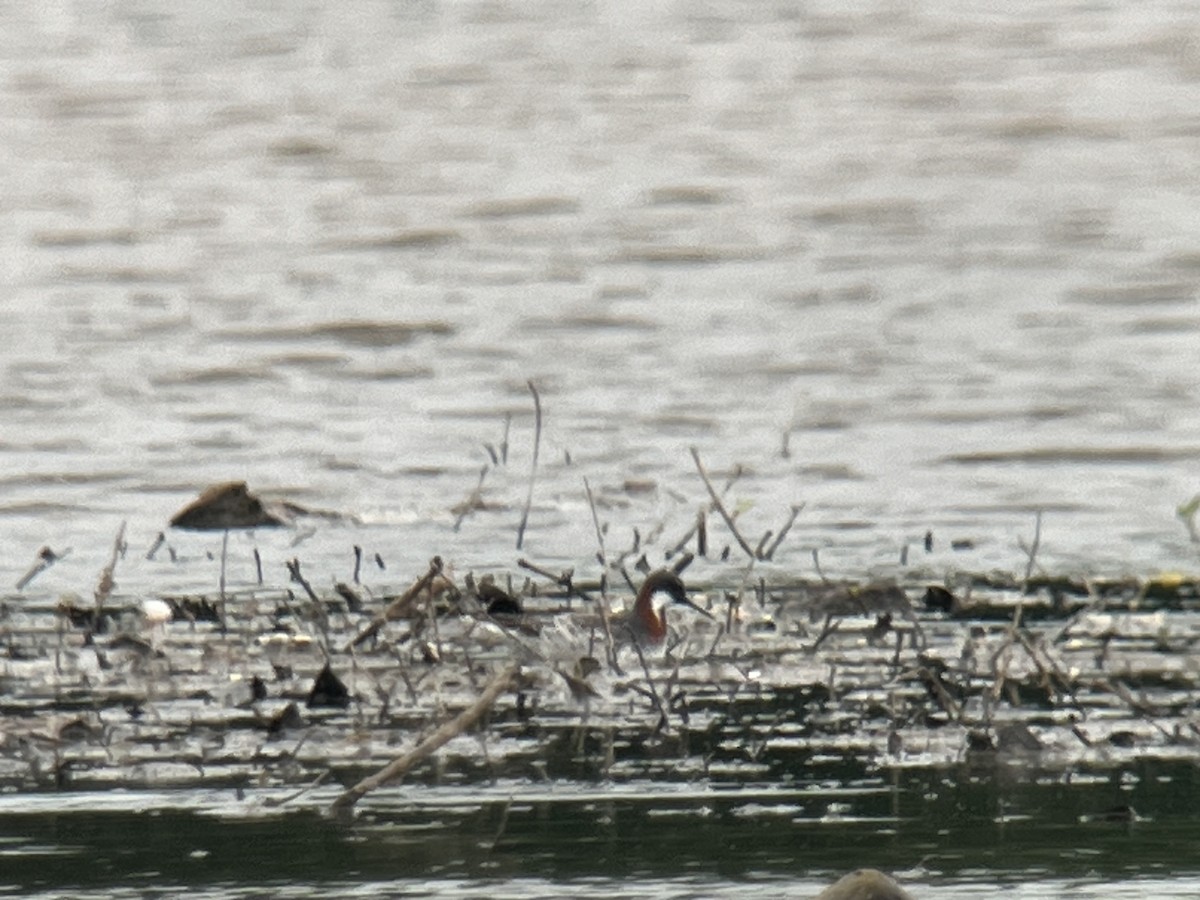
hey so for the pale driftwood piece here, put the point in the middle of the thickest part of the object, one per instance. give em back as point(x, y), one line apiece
point(401, 765)
point(399, 605)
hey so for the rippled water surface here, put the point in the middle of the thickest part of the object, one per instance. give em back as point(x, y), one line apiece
point(919, 268)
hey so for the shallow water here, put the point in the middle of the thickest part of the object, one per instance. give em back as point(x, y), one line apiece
point(669, 847)
point(918, 269)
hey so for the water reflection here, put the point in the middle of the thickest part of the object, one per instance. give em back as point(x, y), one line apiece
point(671, 843)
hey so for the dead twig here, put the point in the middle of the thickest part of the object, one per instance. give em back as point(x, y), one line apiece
point(397, 607)
point(787, 526)
point(719, 506)
point(816, 555)
point(156, 546)
point(603, 557)
point(564, 580)
point(276, 802)
point(699, 529)
point(472, 502)
point(664, 722)
point(45, 559)
point(105, 585)
point(831, 625)
point(1033, 550)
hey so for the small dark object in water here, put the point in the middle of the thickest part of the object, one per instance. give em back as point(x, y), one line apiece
point(879, 631)
point(929, 542)
point(980, 741)
point(1015, 737)
point(328, 690)
point(499, 602)
point(77, 730)
point(84, 618)
point(502, 607)
point(933, 675)
point(864, 884)
point(1118, 814)
point(1124, 739)
point(353, 601)
point(193, 609)
point(962, 544)
point(258, 689)
point(288, 717)
point(938, 598)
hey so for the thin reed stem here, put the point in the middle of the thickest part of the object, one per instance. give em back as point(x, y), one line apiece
point(537, 443)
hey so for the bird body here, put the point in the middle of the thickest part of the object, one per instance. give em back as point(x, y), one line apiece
point(646, 623)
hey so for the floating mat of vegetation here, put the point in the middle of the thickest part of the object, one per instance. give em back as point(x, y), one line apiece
point(785, 682)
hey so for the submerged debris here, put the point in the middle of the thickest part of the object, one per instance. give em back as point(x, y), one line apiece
point(328, 690)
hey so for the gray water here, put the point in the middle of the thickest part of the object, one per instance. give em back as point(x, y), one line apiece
point(917, 268)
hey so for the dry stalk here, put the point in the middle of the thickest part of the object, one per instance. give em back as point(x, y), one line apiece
point(105, 585)
point(398, 606)
point(719, 506)
point(603, 557)
point(401, 765)
point(473, 501)
point(537, 442)
point(318, 608)
point(664, 721)
point(787, 526)
point(1033, 550)
point(564, 580)
point(275, 802)
point(831, 625)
